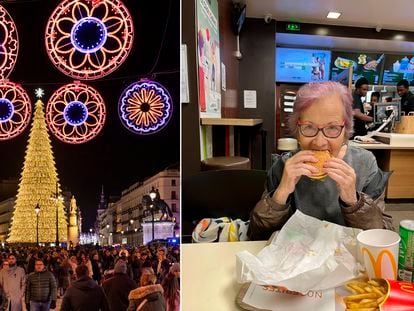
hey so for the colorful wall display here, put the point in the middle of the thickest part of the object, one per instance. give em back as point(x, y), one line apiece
point(302, 65)
point(368, 65)
point(75, 113)
point(398, 67)
point(9, 43)
point(87, 39)
point(208, 51)
point(145, 107)
point(15, 110)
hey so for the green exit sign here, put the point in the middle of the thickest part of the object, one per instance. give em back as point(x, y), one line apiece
point(293, 27)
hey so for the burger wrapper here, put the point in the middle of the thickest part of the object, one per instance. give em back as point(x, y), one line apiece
point(307, 254)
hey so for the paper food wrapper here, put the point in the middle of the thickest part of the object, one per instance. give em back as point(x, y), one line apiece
point(307, 254)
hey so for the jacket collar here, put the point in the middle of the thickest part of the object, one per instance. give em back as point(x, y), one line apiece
point(143, 291)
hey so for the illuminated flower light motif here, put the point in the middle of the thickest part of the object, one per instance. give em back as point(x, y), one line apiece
point(15, 110)
point(75, 113)
point(9, 43)
point(89, 39)
point(145, 107)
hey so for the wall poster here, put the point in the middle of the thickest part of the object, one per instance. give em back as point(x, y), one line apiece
point(208, 52)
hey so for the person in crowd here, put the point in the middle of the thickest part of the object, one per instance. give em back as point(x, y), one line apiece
point(31, 261)
point(171, 292)
point(96, 268)
point(86, 262)
point(135, 266)
point(84, 294)
point(175, 269)
point(73, 262)
point(64, 275)
point(107, 260)
point(375, 99)
point(41, 287)
point(149, 296)
point(118, 287)
point(407, 98)
point(161, 265)
point(13, 282)
point(352, 189)
point(145, 259)
point(360, 118)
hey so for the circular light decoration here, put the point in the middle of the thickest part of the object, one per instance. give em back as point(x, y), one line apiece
point(75, 113)
point(89, 39)
point(145, 107)
point(15, 110)
point(9, 43)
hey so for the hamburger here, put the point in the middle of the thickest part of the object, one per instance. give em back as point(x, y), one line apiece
point(323, 156)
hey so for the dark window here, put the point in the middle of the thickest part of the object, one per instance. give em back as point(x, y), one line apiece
point(174, 207)
point(173, 195)
point(173, 182)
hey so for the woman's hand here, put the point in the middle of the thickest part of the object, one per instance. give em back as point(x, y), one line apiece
point(344, 176)
point(295, 167)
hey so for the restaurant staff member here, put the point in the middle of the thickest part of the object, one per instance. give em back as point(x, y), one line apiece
point(351, 194)
point(407, 98)
point(360, 118)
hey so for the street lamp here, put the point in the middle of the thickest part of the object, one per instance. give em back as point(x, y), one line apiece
point(153, 195)
point(57, 198)
point(37, 211)
point(131, 221)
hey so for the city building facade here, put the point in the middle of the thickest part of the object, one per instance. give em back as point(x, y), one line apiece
point(124, 221)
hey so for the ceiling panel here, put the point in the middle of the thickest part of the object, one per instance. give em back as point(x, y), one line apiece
point(394, 15)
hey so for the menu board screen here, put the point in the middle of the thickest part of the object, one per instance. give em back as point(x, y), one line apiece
point(366, 65)
point(398, 67)
point(302, 65)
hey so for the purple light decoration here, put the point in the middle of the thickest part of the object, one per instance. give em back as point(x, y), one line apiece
point(88, 35)
point(9, 43)
point(75, 113)
point(89, 39)
point(6, 110)
point(145, 107)
point(15, 110)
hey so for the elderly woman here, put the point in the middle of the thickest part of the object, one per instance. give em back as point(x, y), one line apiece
point(351, 194)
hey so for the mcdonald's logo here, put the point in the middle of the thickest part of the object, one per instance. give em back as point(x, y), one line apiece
point(407, 287)
point(376, 263)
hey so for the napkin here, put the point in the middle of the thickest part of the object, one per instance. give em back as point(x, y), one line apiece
point(307, 254)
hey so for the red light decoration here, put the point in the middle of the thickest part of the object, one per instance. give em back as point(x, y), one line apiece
point(145, 107)
point(15, 110)
point(89, 39)
point(75, 113)
point(9, 43)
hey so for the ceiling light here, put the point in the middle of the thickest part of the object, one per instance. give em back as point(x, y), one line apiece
point(333, 15)
point(399, 37)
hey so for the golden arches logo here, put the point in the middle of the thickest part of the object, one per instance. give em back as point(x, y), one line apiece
point(376, 263)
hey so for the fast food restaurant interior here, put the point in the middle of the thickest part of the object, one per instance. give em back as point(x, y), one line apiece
point(238, 92)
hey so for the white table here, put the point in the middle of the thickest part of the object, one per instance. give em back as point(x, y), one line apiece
point(208, 274)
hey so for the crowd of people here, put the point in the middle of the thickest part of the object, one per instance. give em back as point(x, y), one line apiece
point(90, 278)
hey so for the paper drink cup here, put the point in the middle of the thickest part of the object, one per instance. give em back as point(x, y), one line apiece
point(378, 251)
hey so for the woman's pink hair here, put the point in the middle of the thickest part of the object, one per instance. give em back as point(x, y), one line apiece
point(308, 94)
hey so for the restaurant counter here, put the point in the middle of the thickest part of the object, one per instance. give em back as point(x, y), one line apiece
point(208, 274)
point(399, 158)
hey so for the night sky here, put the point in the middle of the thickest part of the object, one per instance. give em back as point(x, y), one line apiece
point(116, 158)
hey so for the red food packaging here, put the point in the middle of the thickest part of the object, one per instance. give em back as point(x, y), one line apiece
point(400, 296)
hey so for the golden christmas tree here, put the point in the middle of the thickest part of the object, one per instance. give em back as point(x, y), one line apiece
point(39, 184)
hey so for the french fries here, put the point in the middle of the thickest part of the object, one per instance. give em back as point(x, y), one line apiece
point(366, 296)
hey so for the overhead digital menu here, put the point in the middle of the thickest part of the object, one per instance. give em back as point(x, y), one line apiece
point(302, 65)
point(366, 65)
point(398, 67)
